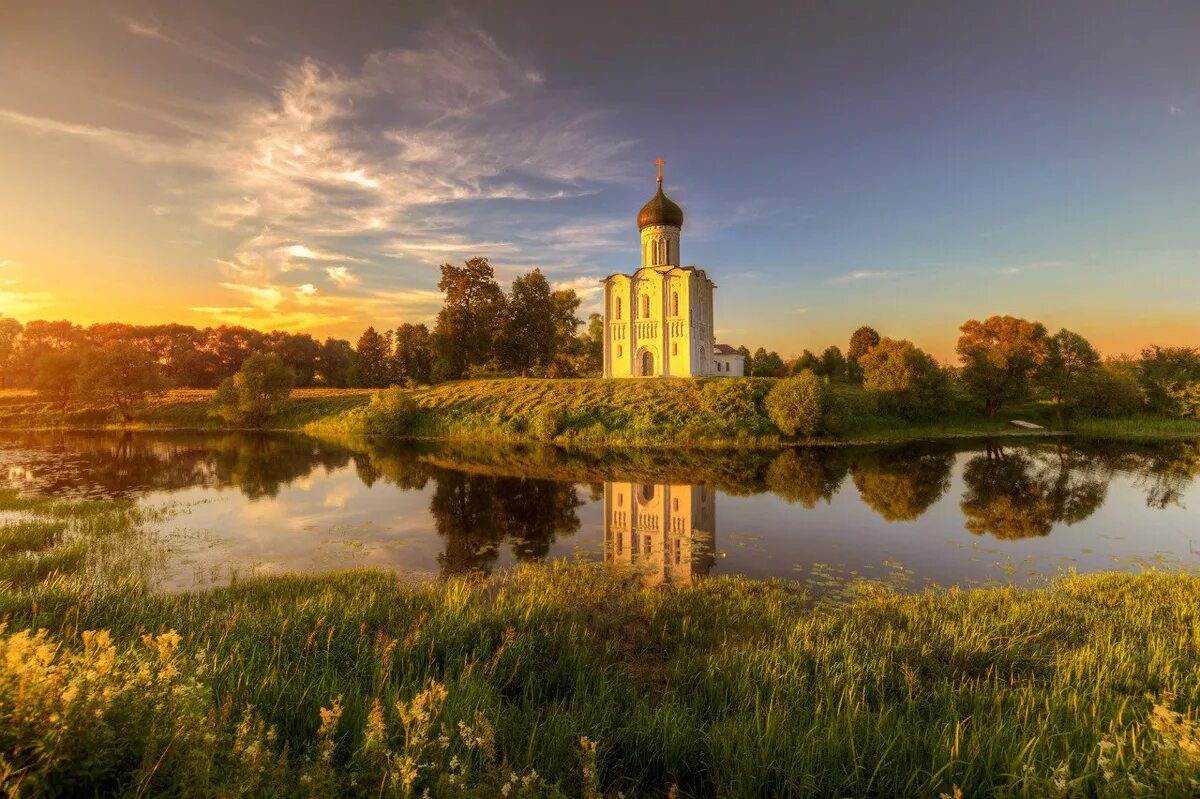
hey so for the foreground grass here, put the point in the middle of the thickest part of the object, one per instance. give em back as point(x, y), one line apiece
point(572, 679)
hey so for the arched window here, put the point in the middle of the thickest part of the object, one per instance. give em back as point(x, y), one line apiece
point(674, 303)
point(674, 347)
point(645, 305)
point(618, 307)
point(618, 350)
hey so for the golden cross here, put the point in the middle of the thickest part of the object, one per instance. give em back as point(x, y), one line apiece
point(660, 163)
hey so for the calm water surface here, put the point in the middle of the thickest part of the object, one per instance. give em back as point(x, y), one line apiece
point(959, 513)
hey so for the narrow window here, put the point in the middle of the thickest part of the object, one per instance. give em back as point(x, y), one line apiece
point(618, 350)
point(618, 307)
point(645, 305)
point(674, 347)
point(675, 303)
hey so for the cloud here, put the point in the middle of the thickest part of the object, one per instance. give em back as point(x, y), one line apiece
point(799, 310)
point(864, 274)
point(1174, 110)
point(379, 160)
point(341, 276)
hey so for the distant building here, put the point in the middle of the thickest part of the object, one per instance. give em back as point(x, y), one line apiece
point(729, 361)
point(658, 322)
point(666, 531)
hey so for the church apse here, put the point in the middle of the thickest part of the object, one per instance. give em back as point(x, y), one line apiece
point(665, 531)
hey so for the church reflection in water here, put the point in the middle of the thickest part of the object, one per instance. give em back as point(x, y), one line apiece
point(665, 531)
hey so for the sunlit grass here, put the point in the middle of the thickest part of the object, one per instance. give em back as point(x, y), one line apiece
point(574, 679)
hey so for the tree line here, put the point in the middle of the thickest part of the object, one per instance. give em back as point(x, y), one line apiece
point(530, 330)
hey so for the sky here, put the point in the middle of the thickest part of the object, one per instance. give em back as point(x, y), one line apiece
point(308, 166)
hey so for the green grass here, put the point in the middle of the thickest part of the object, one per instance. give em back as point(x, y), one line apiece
point(578, 681)
point(1136, 427)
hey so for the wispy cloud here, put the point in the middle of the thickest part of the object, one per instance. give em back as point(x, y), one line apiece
point(865, 274)
point(370, 161)
point(1174, 110)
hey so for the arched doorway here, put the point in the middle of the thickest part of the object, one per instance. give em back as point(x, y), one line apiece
point(647, 363)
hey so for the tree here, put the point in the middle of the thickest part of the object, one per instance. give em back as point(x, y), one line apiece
point(10, 332)
point(905, 381)
point(122, 375)
point(999, 355)
point(371, 366)
point(252, 396)
point(861, 342)
point(801, 404)
point(333, 362)
point(1171, 378)
point(807, 361)
point(466, 326)
point(527, 333)
point(590, 361)
point(902, 485)
point(56, 376)
point(766, 364)
point(1068, 368)
point(413, 358)
point(299, 351)
point(833, 364)
point(1112, 390)
point(233, 344)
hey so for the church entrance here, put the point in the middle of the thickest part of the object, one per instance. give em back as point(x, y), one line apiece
point(647, 363)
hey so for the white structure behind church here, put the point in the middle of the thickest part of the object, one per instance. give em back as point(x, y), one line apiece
point(658, 322)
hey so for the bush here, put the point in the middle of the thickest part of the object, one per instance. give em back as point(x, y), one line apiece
point(546, 424)
point(1171, 378)
point(1111, 392)
point(904, 381)
point(252, 396)
point(730, 398)
point(802, 404)
point(391, 412)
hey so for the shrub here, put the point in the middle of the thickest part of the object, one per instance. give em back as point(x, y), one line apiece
point(546, 424)
point(904, 381)
point(1110, 392)
point(391, 412)
point(1171, 378)
point(252, 396)
point(800, 404)
point(730, 398)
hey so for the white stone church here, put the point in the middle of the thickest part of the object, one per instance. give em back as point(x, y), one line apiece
point(658, 322)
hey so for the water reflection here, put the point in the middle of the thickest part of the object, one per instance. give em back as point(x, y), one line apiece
point(667, 531)
point(282, 502)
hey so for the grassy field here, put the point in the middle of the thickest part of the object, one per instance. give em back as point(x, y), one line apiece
point(579, 413)
point(573, 680)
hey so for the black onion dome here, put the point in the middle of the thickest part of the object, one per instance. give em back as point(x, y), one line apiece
point(661, 210)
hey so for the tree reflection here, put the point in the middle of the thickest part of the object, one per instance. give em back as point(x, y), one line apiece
point(901, 485)
point(476, 513)
point(1017, 494)
point(807, 476)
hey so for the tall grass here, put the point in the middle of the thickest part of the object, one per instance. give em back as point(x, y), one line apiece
point(572, 679)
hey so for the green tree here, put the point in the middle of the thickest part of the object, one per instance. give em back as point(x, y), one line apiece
point(1067, 370)
point(467, 324)
point(590, 362)
point(124, 376)
point(905, 381)
point(801, 405)
point(999, 355)
point(371, 366)
point(807, 361)
point(902, 485)
point(299, 351)
point(861, 342)
point(333, 362)
point(1112, 390)
point(766, 364)
point(833, 364)
point(10, 333)
point(1171, 378)
point(253, 395)
point(528, 329)
point(413, 358)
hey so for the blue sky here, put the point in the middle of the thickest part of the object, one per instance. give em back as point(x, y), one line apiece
point(906, 165)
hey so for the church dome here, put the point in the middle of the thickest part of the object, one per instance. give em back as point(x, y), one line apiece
point(661, 210)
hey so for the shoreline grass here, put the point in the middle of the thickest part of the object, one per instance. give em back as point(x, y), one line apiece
point(574, 680)
point(580, 413)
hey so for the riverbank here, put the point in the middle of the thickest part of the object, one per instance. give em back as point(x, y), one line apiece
point(578, 413)
point(575, 680)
